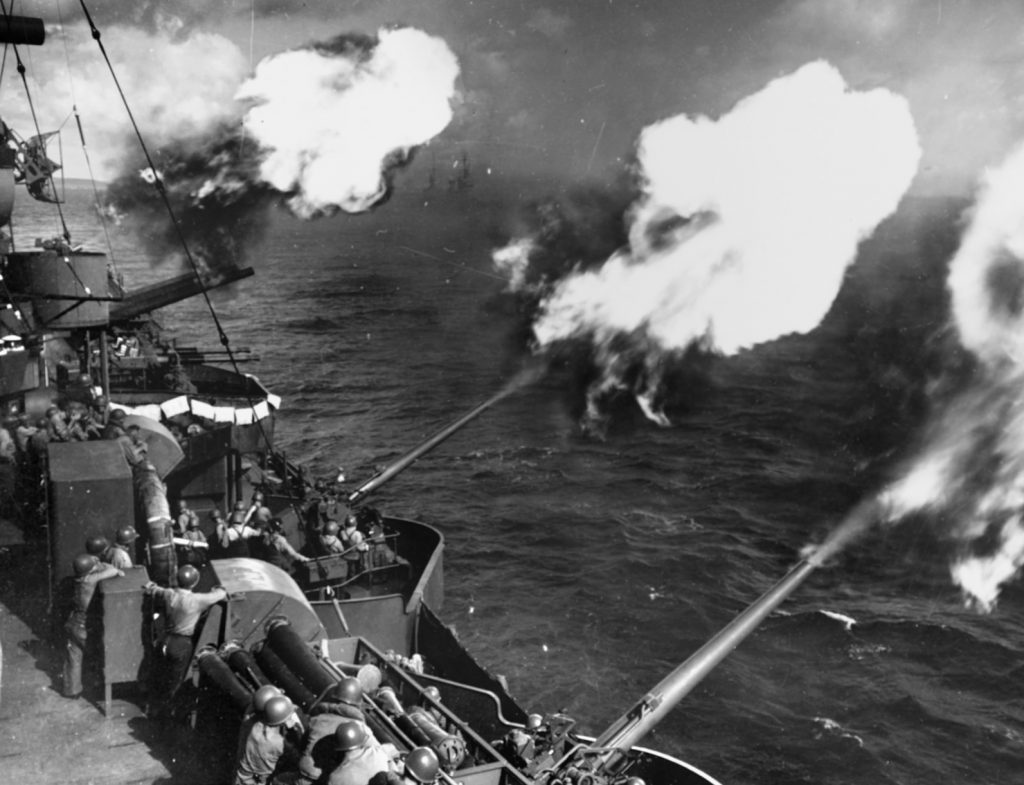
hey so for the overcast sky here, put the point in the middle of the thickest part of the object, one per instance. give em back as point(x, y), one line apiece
point(564, 87)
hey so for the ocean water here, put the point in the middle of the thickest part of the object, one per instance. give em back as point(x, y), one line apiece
point(583, 569)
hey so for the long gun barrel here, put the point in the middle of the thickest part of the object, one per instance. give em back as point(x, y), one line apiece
point(426, 445)
point(652, 707)
point(149, 298)
point(528, 375)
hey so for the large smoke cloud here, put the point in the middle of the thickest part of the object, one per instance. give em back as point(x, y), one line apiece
point(322, 127)
point(743, 230)
point(332, 120)
point(956, 63)
point(178, 88)
point(968, 475)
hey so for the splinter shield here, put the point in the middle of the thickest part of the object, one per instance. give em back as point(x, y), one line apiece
point(258, 593)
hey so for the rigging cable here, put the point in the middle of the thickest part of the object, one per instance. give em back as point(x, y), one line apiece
point(3, 63)
point(12, 304)
point(162, 191)
point(85, 149)
point(35, 122)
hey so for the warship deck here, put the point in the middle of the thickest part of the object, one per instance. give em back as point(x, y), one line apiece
point(46, 738)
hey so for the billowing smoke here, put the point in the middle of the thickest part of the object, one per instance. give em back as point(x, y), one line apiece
point(742, 232)
point(333, 120)
point(322, 128)
point(968, 477)
point(178, 88)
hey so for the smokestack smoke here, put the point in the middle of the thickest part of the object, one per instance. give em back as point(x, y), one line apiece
point(968, 475)
point(743, 231)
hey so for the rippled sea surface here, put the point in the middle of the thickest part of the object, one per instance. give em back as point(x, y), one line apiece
point(585, 569)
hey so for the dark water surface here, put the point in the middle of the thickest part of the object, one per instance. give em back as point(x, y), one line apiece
point(585, 569)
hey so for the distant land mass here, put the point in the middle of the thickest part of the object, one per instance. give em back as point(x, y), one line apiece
point(78, 182)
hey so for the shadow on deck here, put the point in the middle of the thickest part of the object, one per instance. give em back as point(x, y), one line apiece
point(47, 738)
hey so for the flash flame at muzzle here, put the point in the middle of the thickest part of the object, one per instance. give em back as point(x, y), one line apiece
point(967, 478)
point(745, 225)
point(332, 120)
point(323, 128)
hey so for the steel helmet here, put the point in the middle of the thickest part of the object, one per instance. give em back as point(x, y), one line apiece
point(216, 515)
point(277, 710)
point(96, 545)
point(126, 536)
point(236, 518)
point(433, 693)
point(264, 694)
point(350, 735)
point(331, 528)
point(422, 764)
point(534, 721)
point(348, 690)
point(84, 564)
point(188, 576)
point(240, 506)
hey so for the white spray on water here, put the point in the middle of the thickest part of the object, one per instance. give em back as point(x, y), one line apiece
point(969, 474)
point(330, 125)
point(745, 226)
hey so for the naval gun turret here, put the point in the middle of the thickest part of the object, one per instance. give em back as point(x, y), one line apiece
point(610, 757)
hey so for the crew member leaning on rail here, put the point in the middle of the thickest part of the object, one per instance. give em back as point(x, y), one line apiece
point(276, 549)
point(183, 608)
point(89, 571)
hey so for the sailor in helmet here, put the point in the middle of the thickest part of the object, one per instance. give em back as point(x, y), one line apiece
point(420, 767)
point(355, 546)
point(194, 552)
point(276, 548)
point(342, 703)
point(183, 608)
point(120, 553)
point(264, 748)
point(235, 537)
point(115, 427)
point(329, 541)
point(89, 571)
point(362, 756)
point(185, 517)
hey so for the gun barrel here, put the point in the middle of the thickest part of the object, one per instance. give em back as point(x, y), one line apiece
point(425, 446)
point(649, 710)
point(149, 298)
